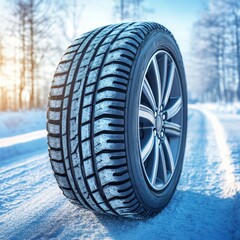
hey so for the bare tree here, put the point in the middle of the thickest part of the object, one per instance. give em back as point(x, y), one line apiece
point(1, 56)
point(217, 48)
point(20, 13)
point(31, 22)
point(130, 10)
point(69, 18)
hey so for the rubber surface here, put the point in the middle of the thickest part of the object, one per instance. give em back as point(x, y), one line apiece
point(87, 120)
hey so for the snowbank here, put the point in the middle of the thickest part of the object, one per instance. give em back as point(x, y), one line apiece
point(231, 108)
point(14, 123)
point(20, 135)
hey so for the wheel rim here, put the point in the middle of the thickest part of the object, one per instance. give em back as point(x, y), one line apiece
point(160, 120)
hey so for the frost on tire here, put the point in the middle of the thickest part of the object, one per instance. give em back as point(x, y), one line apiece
point(117, 119)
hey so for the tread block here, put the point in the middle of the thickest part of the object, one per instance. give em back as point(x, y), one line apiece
point(58, 167)
point(59, 80)
point(113, 191)
point(105, 124)
point(110, 94)
point(101, 142)
point(69, 194)
point(104, 160)
point(117, 56)
point(108, 175)
point(53, 128)
point(115, 69)
point(114, 82)
point(103, 48)
point(54, 142)
point(54, 103)
point(73, 129)
point(92, 76)
point(85, 131)
point(56, 155)
point(62, 181)
point(88, 167)
point(87, 100)
point(53, 115)
point(98, 61)
point(86, 149)
point(56, 91)
point(123, 45)
point(92, 184)
point(68, 57)
point(105, 107)
point(63, 67)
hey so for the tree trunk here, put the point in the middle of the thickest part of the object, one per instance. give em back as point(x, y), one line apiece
point(122, 10)
point(23, 60)
point(237, 35)
point(32, 60)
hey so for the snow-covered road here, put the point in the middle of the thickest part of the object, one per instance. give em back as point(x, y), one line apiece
point(206, 204)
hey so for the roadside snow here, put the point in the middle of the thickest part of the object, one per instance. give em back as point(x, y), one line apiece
point(22, 138)
point(232, 108)
point(21, 134)
point(14, 123)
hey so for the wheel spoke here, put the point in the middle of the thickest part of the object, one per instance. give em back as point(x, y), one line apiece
point(158, 81)
point(160, 120)
point(147, 91)
point(169, 84)
point(162, 165)
point(164, 71)
point(147, 148)
point(168, 155)
point(155, 162)
point(173, 108)
point(147, 114)
point(172, 129)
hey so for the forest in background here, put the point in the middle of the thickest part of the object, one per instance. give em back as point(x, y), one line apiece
point(216, 52)
point(37, 33)
point(35, 38)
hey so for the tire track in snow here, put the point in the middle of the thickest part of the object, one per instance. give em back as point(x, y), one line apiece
point(229, 185)
point(22, 138)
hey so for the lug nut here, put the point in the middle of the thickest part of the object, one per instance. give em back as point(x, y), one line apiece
point(162, 134)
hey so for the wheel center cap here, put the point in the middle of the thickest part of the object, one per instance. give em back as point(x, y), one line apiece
point(158, 124)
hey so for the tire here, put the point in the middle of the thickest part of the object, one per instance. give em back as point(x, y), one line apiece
point(111, 149)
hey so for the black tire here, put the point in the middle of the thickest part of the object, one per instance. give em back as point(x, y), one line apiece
point(93, 114)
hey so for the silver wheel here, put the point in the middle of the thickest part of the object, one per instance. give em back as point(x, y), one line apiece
point(160, 120)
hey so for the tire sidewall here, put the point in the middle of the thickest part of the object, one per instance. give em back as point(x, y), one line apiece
point(155, 41)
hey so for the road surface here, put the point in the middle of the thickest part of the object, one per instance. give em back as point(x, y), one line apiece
point(206, 204)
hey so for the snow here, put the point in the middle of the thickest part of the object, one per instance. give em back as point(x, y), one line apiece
point(206, 204)
point(21, 133)
point(226, 165)
point(22, 138)
point(231, 108)
point(14, 123)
